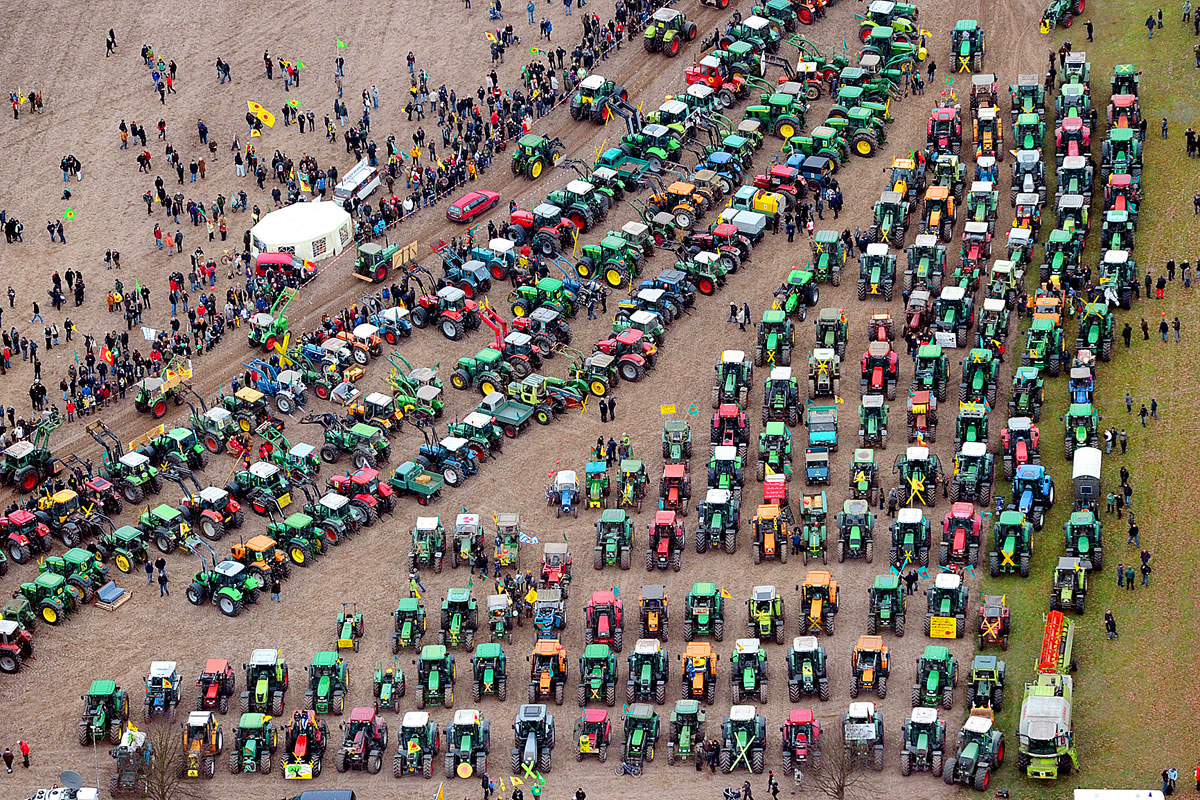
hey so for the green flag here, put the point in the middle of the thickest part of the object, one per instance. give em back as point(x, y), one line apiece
point(341, 44)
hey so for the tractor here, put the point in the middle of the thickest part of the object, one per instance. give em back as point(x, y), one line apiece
point(920, 474)
point(921, 416)
point(254, 743)
point(833, 330)
point(931, 371)
point(974, 468)
point(459, 620)
point(163, 686)
point(743, 740)
point(563, 494)
point(203, 741)
point(435, 676)
point(545, 229)
point(954, 312)
point(533, 153)
point(418, 744)
point(725, 471)
point(1081, 426)
point(748, 671)
point(704, 612)
point(730, 428)
point(665, 542)
point(961, 537)
point(676, 441)
point(880, 370)
point(911, 538)
point(1027, 392)
point(938, 214)
point(949, 171)
point(1033, 493)
point(869, 667)
point(944, 135)
point(924, 735)
point(985, 690)
point(967, 45)
point(215, 686)
point(1028, 176)
point(856, 531)
point(926, 265)
point(877, 271)
point(980, 749)
point(686, 732)
point(734, 374)
point(614, 539)
point(806, 670)
point(824, 373)
point(1012, 545)
point(641, 734)
point(675, 489)
point(603, 620)
point(467, 543)
point(409, 627)
point(1096, 329)
point(266, 683)
point(533, 738)
point(597, 676)
point(591, 101)
point(547, 671)
point(718, 521)
point(971, 424)
point(228, 585)
point(1083, 533)
point(799, 292)
point(818, 603)
point(593, 732)
point(1069, 585)
point(774, 451)
point(105, 711)
point(829, 255)
point(813, 533)
point(765, 614)
point(556, 568)
point(776, 337)
point(428, 544)
point(503, 616)
point(468, 741)
point(862, 731)
point(946, 613)
point(348, 629)
point(387, 687)
point(886, 605)
point(328, 681)
point(889, 219)
point(365, 742)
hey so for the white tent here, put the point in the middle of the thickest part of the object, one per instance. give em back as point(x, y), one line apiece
point(312, 231)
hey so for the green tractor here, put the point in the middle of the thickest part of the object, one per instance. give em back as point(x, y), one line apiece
point(776, 337)
point(733, 383)
point(889, 222)
point(856, 531)
point(468, 740)
point(748, 671)
point(328, 682)
point(648, 672)
point(926, 265)
point(228, 586)
point(486, 371)
point(779, 112)
point(271, 327)
point(1012, 545)
point(428, 544)
point(668, 31)
point(886, 605)
point(931, 371)
point(597, 676)
point(1096, 330)
point(704, 612)
point(676, 441)
point(807, 670)
point(686, 733)
point(774, 451)
point(533, 153)
point(967, 45)
point(911, 538)
point(719, 517)
point(300, 537)
point(365, 444)
point(971, 424)
point(1083, 533)
point(985, 691)
point(980, 749)
point(349, 628)
point(82, 570)
point(798, 293)
point(614, 539)
point(266, 683)
point(489, 671)
point(937, 675)
point(460, 619)
point(765, 614)
point(418, 744)
point(105, 711)
point(435, 676)
point(872, 420)
point(1081, 428)
point(1069, 589)
point(828, 257)
point(864, 474)
point(641, 734)
point(254, 742)
point(1027, 393)
point(877, 272)
point(924, 741)
point(25, 464)
point(387, 687)
point(781, 398)
point(743, 740)
point(132, 473)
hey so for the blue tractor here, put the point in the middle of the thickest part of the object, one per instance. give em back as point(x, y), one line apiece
point(285, 386)
point(564, 493)
point(1033, 493)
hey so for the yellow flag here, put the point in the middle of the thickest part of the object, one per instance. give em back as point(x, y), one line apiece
point(491, 37)
point(265, 116)
point(441, 795)
point(531, 597)
point(254, 133)
point(725, 595)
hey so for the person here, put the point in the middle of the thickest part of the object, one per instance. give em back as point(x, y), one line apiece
point(24, 747)
point(1088, 25)
point(1150, 26)
point(603, 411)
point(910, 581)
point(1128, 402)
point(612, 408)
point(275, 587)
point(149, 572)
point(162, 584)
point(1143, 413)
point(1129, 578)
point(1175, 327)
point(893, 502)
point(1134, 532)
point(1146, 570)
point(1110, 625)
point(8, 762)
point(1154, 408)
point(1121, 575)
point(746, 793)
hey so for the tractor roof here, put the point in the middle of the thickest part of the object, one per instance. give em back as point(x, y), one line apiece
point(531, 712)
point(489, 649)
point(579, 186)
point(977, 724)
point(362, 714)
point(549, 647)
point(428, 523)
point(966, 25)
point(264, 657)
point(644, 317)
point(725, 452)
point(433, 652)
point(215, 666)
point(463, 716)
point(102, 688)
point(910, 516)
point(640, 711)
point(664, 517)
point(877, 249)
point(805, 644)
point(601, 597)
point(886, 582)
point(165, 512)
point(628, 466)
point(213, 494)
point(742, 713)
point(597, 652)
point(556, 548)
point(196, 719)
point(974, 449)
point(878, 349)
point(595, 716)
point(298, 520)
point(763, 593)
point(414, 719)
point(458, 594)
point(263, 470)
point(163, 669)
point(531, 140)
point(564, 478)
point(746, 646)
point(592, 82)
point(252, 722)
point(132, 460)
point(704, 588)
point(980, 186)
point(818, 577)
point(229, 569)
point(325, 658)
point(613, 516)
point(8, 627)
point(334, 501)
point(923, 715)
point(949, 581)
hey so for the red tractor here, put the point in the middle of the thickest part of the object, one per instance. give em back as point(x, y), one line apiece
point(919, 314)
point(801, 740)
point(784, 180)
point(944, 135)
point(665, 542)
point(544, 229)
point(880, 327)
point(922, 416)
point(556, 568)
point(604, 620)
point(450, 310)
point(1019, 445)
point(730, 428)
point(724, 240)
point(1122, 193)
point(960, 537)
point(16, 646)
point(880, 370)
point(675, 489)
point(632, 352)
point(216, 684)
point(713, 73)
point(25, 535)
point(365, 490)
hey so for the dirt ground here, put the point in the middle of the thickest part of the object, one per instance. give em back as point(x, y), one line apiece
point(85, 100)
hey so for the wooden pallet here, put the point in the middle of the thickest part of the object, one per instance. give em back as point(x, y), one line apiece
point(113, 606)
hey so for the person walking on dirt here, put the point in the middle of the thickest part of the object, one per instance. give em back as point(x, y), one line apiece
point(162, 584)
point(149, 572)
point(8, 761)
point(275, 587)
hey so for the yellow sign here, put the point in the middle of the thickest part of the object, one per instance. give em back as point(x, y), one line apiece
point(666, 410)
point(464, 769)
point(184, 528)
point(943, 628)
point(585, 744)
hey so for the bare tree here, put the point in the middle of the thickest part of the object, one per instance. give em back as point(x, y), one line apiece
point(165, 779)
point(840, 776)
